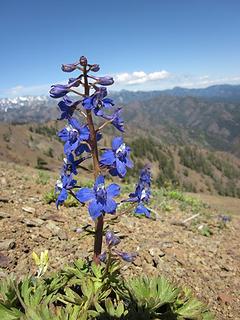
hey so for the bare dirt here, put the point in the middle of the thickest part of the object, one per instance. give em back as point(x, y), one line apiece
point(209, 265)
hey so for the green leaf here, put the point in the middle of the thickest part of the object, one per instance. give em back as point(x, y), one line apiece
point(119, 310)
point(9, 314)
point(191, 309)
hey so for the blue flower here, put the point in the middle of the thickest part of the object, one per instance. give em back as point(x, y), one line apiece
point(145, 176)
point(97, 102)
point(116, 119)
point(73, 135)
point(67, 106)
point(70, 164)
point(101, 198)
point(117, 158)
point(141, 196)
point(66, 183)
point(142, 192)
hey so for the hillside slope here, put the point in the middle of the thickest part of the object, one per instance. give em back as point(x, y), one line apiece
point(188, 166)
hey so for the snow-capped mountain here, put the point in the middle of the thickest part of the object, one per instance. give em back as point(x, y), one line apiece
point(42, 108)
point(27, 109)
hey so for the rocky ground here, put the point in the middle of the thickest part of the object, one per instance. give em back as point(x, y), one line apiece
point(201, 253)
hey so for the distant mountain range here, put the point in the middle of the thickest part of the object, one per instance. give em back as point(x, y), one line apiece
point(191, 136)
point(208, 117)
point(225, 92)
point(228, 93)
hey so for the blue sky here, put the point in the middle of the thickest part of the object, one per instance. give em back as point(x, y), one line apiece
point(145, 44)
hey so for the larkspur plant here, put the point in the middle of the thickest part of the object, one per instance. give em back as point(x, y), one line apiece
point(85, 290)
point(81, 143)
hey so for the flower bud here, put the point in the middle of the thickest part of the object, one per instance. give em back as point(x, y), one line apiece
point(105, 81)
point(129, 257)
point(74, 82)
point(94, 68)
point(68, 67)
point(83, 61)
point(58, 90)
point(103, 256)
point(101, 93)
point(111, 239)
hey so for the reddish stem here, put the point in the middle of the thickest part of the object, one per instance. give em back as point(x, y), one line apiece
point(96, 169)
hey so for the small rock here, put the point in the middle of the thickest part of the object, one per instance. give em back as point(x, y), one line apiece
point(53, 217)
point(137, 262)
point(166, 245)
point(4, 262)
point(34, 222)
point(44, 233)
point(29, 209)
point(56, 231)
point(62, 235)
point(4, 215)
point(3, 181)
point(33, 199)
point(7, 244)
point(155, 251)
point(148, 258)
point(51, 226)
point(225, 298)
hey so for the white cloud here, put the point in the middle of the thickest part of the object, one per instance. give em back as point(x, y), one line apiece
point(138, 77)
point(21, 90)
point(138, 80)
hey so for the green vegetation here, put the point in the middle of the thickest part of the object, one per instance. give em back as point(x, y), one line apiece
point(43, 178)
point(89, 291)
point(192, 158)
point(6, 137)
point(49, 197)
point(167, 196)
point(49, 131)
point(147, 148)
point(49, 152)
point(41, 164)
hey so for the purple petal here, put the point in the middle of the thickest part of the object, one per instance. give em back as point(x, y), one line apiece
point(111, 238)
point(74, 122)
point(108, 103)
point(85, 194)
point(107, 157)
point(113, 190)
point(84, 133)
point(129, 257)
point(129, 163)
point(88, 103)
point(63, 134)
point(110, 206)
point(121, 168)
point(68, 147)
point(142, 210)
point(81, 148)
point(95, 209)
point(117, 141)
point(62, 197)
